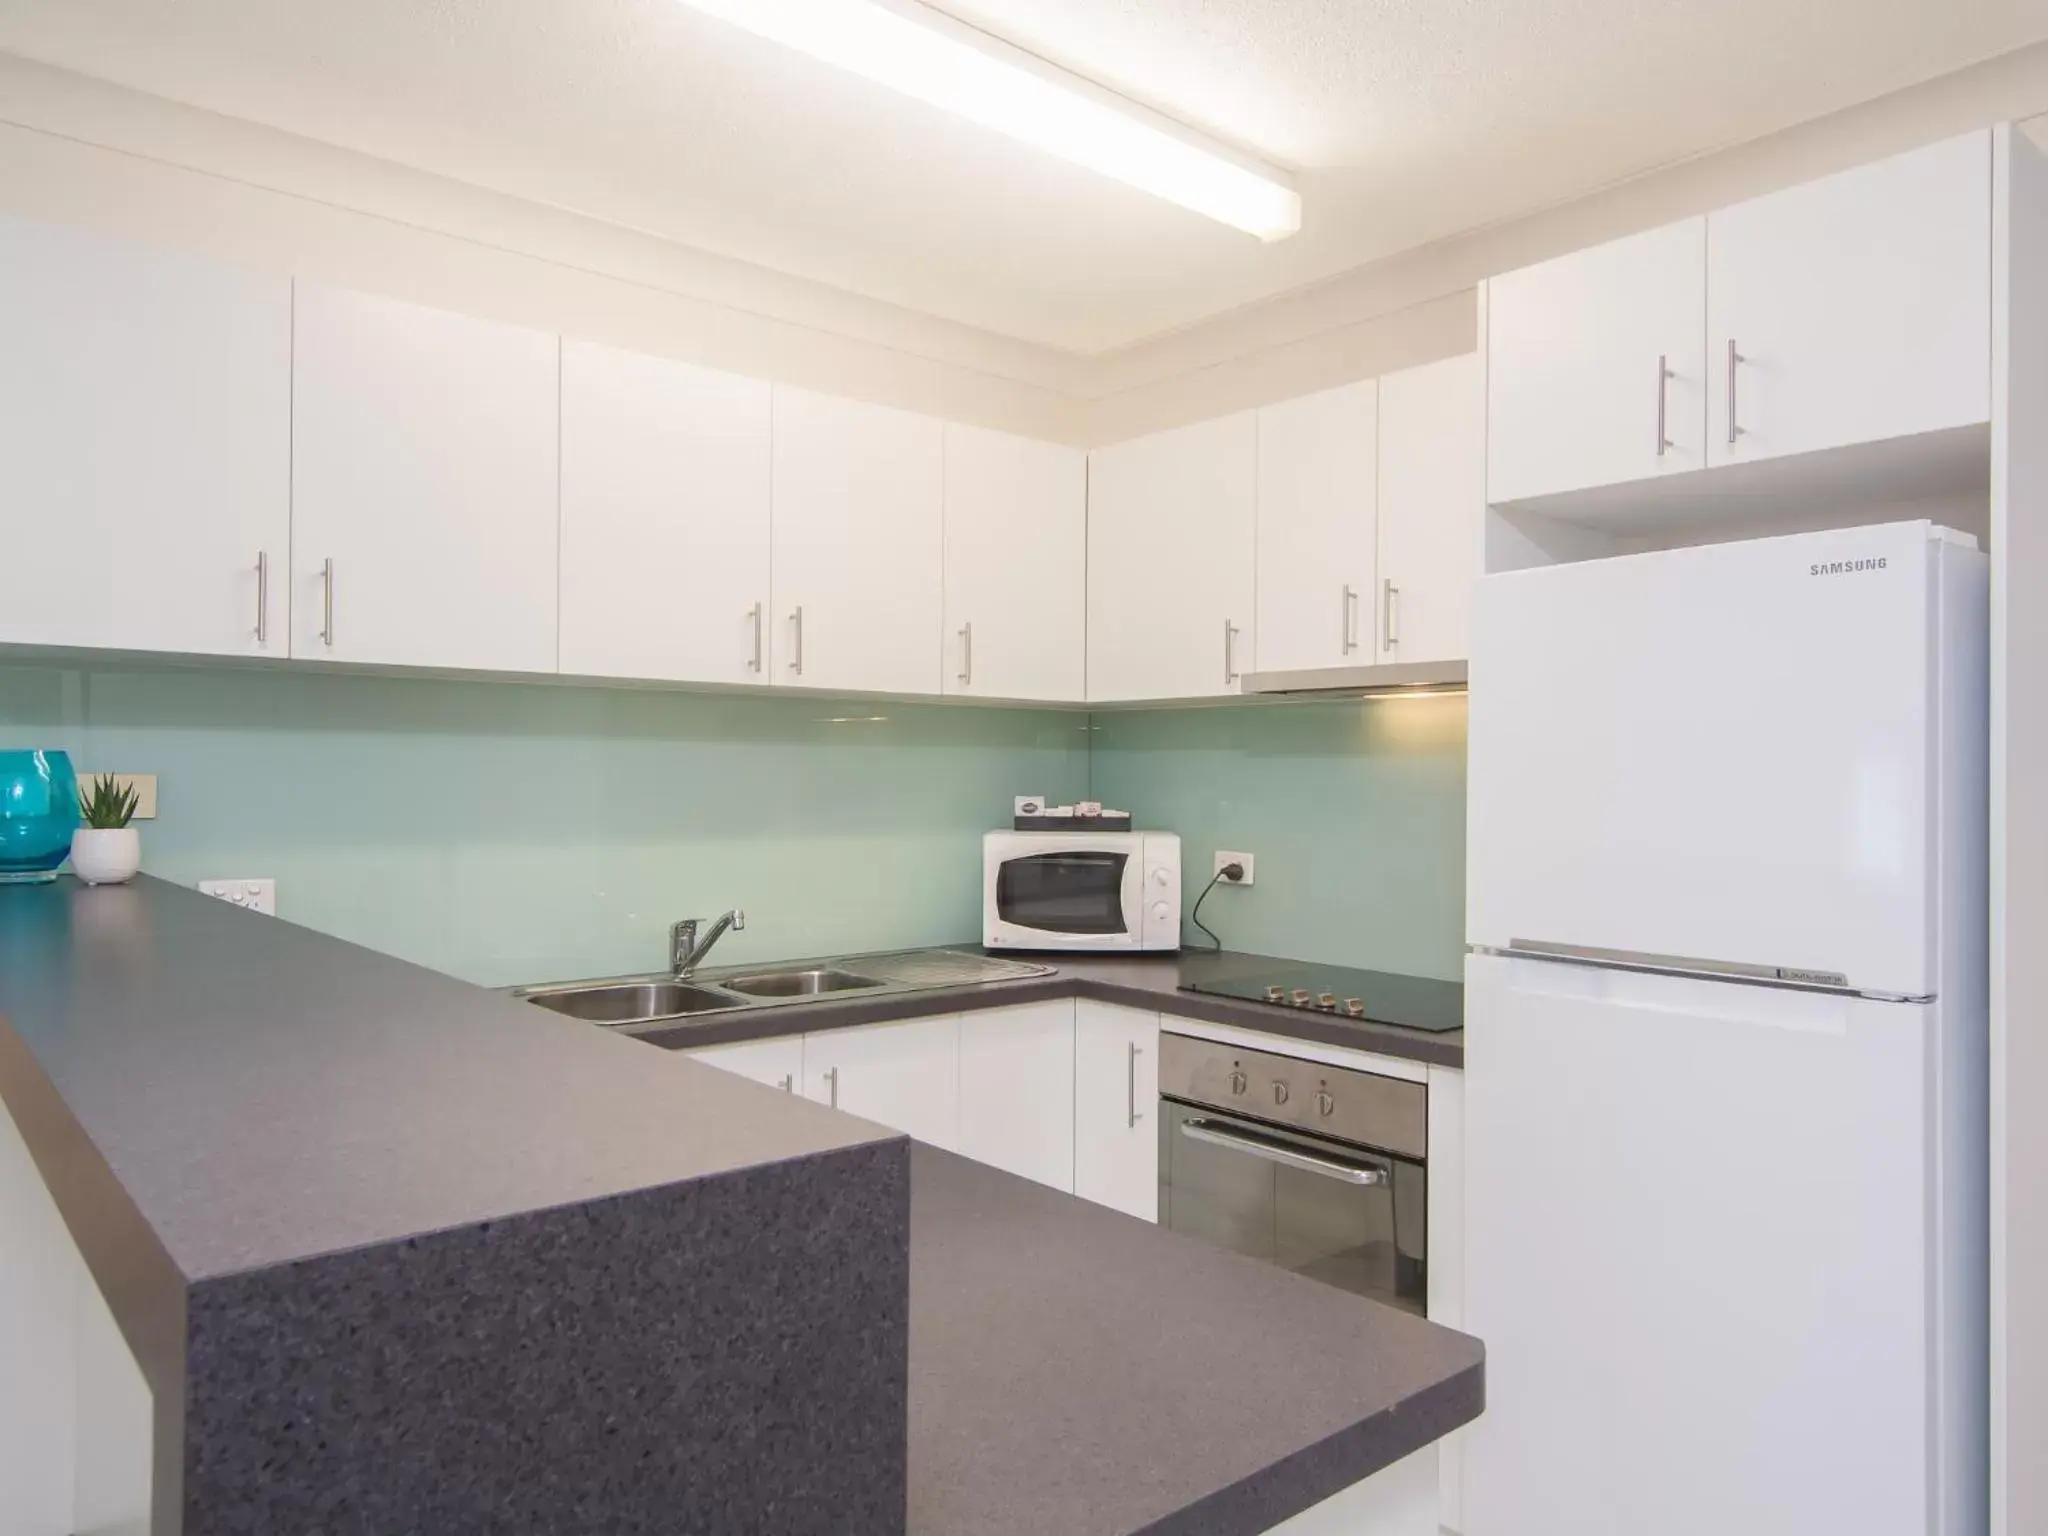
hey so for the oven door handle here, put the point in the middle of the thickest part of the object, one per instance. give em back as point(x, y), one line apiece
point(1219, 1134)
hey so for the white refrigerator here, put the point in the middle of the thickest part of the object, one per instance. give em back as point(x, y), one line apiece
point(1726, 1041)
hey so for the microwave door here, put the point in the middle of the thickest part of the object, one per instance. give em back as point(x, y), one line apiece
point(1073, 893)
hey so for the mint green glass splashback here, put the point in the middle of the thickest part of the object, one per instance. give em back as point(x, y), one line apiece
point(513, 832)
point(1354, 812)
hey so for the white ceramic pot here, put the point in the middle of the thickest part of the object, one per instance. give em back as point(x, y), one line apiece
point(106, 855)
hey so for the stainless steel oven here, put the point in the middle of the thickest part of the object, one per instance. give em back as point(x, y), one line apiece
point(1319, 1169)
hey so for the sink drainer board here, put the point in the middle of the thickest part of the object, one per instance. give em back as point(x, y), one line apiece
point(942, 968)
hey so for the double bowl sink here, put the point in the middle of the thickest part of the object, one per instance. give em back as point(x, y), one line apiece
point(624, 1001)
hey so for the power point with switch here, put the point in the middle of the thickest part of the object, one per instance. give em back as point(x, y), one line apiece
point(256, 895)
point(1243, 862)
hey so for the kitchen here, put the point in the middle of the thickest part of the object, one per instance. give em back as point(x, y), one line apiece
point(785, 615)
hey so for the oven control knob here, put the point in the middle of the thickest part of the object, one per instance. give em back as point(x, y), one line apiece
point(1238, 1081)
point(1279, 1093)
point(1325, 1105)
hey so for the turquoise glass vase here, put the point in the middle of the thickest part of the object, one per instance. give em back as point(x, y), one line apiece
point(38, 813)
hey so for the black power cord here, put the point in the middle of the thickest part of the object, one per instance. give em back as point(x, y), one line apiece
point(1232, 872)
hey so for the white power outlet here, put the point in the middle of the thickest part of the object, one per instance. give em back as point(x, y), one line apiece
point(1227, 857)
point(256, 895)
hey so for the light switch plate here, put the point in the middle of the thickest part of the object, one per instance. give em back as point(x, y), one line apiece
point(256, 895)
point(144, 785)
point(1224, 857)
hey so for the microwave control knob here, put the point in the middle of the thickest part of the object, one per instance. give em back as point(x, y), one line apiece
point(1162, 877)
point(1238, 1081)
point(1161, 911)
point(1325, 1105)
point(1279, 1093)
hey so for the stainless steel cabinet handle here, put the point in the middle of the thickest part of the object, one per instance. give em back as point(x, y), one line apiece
point(1132, 1116)
point(967, 652)
point(1229, 652)
point(789, 1082)
point(754, 618)
point(1390, 615)
point(327, 603)
point(262, 597)
point(1350, 620)
point(1734, 357)
point(1663, 377)
point(796, 622)
point(1274, 1150)
point(832, 1085)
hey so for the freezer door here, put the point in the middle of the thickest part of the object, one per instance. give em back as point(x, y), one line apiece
point(1718, 753)
point(1698, 1252)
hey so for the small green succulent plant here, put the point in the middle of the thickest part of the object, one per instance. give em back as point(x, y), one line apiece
point(107, 803)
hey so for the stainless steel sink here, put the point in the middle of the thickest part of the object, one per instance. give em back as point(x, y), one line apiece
point(631, 1002)
point(814, 981)
point(627, 1002)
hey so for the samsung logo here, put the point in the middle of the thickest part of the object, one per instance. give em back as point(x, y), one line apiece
point(1845, 567)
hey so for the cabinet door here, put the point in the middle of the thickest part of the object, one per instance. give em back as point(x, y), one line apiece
point(1116, 1107)
point(1587, 355)
point(1317, 502)
point(664, 519)
point(1016, 567)
point(1432, 501)
point(145, 447)
point(424, 509)
point(858, 518)
point(1857, 307)
point(1017, 1090)
point(905, 1076)
point(1171, 541)
point(775, 1063)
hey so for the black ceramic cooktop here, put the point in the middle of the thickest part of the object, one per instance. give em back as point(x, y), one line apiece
point(1411, 1002)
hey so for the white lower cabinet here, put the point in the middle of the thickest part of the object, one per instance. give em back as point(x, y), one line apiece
point(775, 1063)
point(905, 1076)
point(1017, 1090)
point(1116, 1107)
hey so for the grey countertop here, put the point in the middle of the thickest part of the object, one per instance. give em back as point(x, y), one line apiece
point(1146, 981)
point(215, 1094)
point(1075, 1370)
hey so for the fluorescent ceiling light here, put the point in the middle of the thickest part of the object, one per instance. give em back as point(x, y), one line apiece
point(923, 53)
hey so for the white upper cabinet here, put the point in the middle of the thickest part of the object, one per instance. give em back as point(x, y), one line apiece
point(1317, 563)
point(1171, 544)
point(1432, 502)
point(1017, 1090)
point(1856, 308)
point(145, 447)
point(858, 515)
point(665, 519)
point(424, 508)
point(1596, 366)
point(1016, 587)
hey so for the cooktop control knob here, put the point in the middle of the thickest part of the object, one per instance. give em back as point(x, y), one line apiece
point(1301, 997)
point(1279, 1093)
point(1276, 994)
point(1326, 1000)
point(1238, 1081)
point(1355, 1006)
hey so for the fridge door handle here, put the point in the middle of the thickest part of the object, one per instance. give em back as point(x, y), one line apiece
point(1806, 977)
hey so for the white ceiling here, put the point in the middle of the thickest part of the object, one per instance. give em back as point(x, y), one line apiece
point(1406, 120)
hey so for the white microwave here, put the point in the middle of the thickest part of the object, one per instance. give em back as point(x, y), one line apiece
point(1115, 892)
